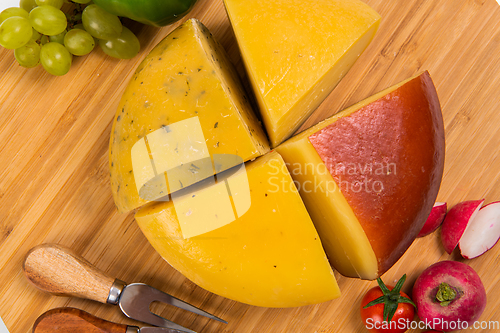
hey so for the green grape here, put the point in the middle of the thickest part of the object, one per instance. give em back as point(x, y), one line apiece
point(82, 1)
point(48, 20)
point(126, 46)
point(55, 58)
point(101, 24)
point(44, 39)
point(28, 55)
point(81, 27)
point(58, 38)
point(79, 42)
point(27, 5)
point(54, 3)
point(15, 32)
point(13, 11)
point(36, 35)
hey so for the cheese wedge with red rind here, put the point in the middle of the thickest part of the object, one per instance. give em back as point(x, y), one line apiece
point(385, 157)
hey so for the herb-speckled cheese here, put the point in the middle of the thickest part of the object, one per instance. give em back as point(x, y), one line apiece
point(186, 76)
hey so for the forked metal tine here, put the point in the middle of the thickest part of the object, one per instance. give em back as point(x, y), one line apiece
point(166, 298)
point(135, 303)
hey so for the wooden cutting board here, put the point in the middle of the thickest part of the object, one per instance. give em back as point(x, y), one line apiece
point(54, 176)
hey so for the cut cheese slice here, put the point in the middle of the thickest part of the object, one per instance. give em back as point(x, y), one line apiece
point(206, 205)
point(296, 51)
point(269, 256)
point(370, 174)
point(183, 105)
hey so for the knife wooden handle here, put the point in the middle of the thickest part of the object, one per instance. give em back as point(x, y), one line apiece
point(71, 320)
point(58, 270)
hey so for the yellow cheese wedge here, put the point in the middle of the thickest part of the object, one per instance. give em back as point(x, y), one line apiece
point(344, 240)
point(183, 105)
point(370, 174)
point(296, 51)
point(270, 256)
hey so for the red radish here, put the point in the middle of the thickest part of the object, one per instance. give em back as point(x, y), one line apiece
point(456, 222)
point(449, 296)
point(482, 233)
point(435, 219)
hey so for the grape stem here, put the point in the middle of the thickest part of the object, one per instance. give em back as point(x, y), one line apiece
point(76, 17)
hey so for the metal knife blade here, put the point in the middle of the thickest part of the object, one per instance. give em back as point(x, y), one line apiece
point(157, 330)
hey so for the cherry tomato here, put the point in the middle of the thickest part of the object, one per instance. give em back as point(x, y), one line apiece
point(395, 301)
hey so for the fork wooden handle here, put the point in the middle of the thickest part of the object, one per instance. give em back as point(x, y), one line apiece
point(71, 320)
point(58, 270)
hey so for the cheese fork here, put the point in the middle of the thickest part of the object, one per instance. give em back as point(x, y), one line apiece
point(71, 320)
point(58, 270)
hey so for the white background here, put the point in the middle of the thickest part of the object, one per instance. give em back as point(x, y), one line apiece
point(15, 3)
point(3, 329)
point(6, 4)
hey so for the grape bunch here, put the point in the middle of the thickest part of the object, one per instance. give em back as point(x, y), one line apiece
point(40, 32)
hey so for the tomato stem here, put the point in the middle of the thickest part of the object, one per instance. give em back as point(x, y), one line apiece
point(390, 298)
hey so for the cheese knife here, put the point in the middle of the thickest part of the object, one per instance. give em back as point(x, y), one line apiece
point(71, 320)
point(58, 270)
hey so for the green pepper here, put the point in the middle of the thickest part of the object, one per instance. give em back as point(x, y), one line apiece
point(152, 12)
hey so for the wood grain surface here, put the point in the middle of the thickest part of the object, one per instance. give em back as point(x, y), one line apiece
point(54, 175)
